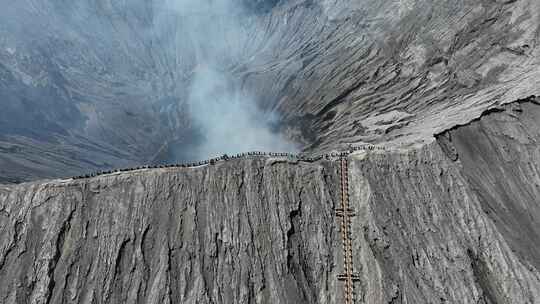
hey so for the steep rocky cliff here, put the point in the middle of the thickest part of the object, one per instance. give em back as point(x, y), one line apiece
point(453, 221)
point(244, 231)
point(456, 222)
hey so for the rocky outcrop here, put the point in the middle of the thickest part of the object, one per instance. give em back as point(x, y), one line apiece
point(430, 226)
point(500, 157)
point(258, 230)
point(424, 237)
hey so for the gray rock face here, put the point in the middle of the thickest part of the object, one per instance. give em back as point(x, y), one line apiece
point(238, 232)
point(458, 231)
point(432, 225)
point(500, 158)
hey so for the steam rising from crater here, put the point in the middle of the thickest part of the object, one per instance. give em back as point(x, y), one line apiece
point(226, 115)
point(229, 120)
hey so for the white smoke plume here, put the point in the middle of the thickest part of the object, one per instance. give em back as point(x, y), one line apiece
point(229, 120)
point(227, 117)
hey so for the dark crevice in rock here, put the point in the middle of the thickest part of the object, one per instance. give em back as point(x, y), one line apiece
point(293, 221)
point(59, 247)
point(122, 257)
point(296, 259)
point(17, 229)
point(396, 298)
point(445, 142)
point(145, 246)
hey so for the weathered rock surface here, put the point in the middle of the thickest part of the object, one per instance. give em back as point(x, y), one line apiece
point(238, 232)
point(434, 224)
point(500, 156)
